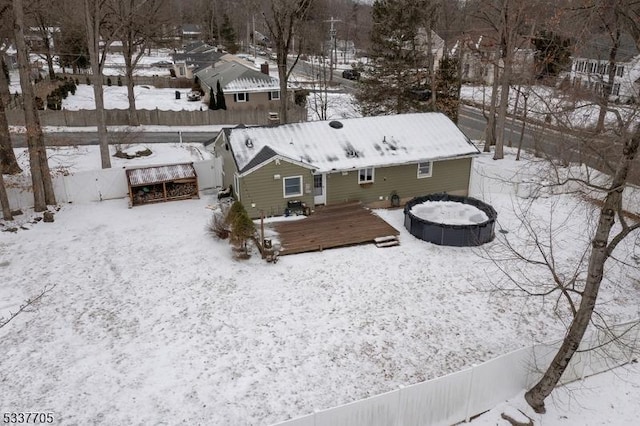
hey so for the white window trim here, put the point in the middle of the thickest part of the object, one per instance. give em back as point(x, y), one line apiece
point(373, 175)
point(244, 97)
point(425, 175)
point(274, 95)
point(284, 186)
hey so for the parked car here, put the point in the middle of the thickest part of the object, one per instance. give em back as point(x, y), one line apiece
point(193, 95)
point(162, 64)
point(351, 74)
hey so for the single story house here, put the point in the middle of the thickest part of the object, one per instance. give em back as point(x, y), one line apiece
point(247, 89)
point(380, 161)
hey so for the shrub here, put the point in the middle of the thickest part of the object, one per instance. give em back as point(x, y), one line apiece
point(242, 227)
point(217, 223)
point(108, 81)
point(54, 101)
point(235, 209)
point(119, 81)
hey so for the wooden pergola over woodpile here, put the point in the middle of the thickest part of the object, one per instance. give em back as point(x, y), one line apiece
point(332, 226)
point(162, 183)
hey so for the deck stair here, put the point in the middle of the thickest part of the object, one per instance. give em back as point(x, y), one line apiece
point(388, 241)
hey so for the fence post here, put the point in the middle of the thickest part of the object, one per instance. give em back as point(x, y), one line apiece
point(399, 414)
point(467, 414)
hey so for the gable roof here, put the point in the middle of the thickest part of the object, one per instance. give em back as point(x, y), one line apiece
point(235, 77)
point(360, 142)
point(199, 55)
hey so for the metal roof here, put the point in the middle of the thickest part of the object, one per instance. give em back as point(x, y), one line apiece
point(158, 174)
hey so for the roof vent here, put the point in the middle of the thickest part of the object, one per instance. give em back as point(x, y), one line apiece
point(335, 124)
point(248, 142)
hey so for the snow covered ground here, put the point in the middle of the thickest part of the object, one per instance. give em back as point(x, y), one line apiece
point(147, 97)
point(79, 158)
point(609, 398)
point(149, 319)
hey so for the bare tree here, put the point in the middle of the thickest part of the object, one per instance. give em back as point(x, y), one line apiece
point(283, 19)
point(603, 244)
point(507, 19)
point(136, 27)
point(40, 175)
point(618, 158)
point(8, 162)
point(43, 16)
point(95, 20)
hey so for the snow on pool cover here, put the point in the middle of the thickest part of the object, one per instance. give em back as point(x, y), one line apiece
point(449, 213)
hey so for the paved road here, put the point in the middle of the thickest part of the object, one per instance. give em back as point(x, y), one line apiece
point(598, 152)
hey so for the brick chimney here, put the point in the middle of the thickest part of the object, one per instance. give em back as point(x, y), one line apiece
point(264, 68)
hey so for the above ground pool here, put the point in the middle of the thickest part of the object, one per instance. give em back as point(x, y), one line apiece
point(450, 220)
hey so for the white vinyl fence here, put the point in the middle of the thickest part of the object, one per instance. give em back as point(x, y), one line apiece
point(457, 397)
point(98, 185)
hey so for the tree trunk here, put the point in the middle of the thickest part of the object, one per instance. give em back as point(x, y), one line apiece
point(513, 117)
point(524, 123)
point(92, 19)
point(502, 110)
point(607, 86)
point(600, 252)
point(282, 75)
point(8, 162)
point(35, 141)
point(4, 201)
point(490, 130)
point(133, 114)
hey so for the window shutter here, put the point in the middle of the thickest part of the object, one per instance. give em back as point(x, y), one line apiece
point(235, 97)
point(269, 95)
point(246, 97)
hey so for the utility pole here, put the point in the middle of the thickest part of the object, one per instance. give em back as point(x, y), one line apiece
point(332, 38)
point(253, 34)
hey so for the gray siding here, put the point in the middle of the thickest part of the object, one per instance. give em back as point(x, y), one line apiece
point(451, 176)
point(261, 191)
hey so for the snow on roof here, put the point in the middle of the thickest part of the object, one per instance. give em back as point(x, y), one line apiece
point(235, 77)
point(151, 175)
point(359, 142)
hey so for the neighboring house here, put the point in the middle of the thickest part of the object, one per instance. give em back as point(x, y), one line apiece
point(590, 67)
point(37, 38)
point(479, 55)
point(196, 56)
point(244, 88)
point(436, 45)
point(344, 50)
point(190, 32)
point(368, 159)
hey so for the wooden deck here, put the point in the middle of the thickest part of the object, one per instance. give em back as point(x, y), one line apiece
point(330, 227)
